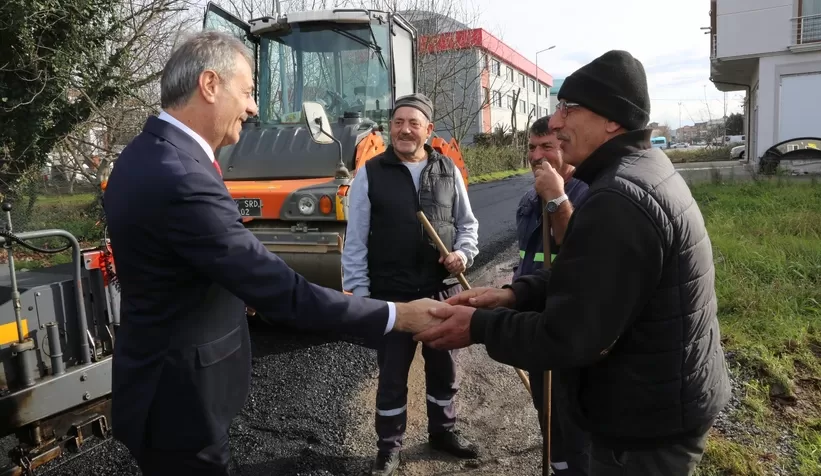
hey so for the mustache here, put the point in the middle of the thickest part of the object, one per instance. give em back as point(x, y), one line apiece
point(561, 136)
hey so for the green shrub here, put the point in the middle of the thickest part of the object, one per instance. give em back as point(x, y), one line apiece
point(76, 214)
point(702, 154)
point(485, 160)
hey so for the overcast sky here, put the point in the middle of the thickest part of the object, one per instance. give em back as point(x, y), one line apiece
point(665, 36)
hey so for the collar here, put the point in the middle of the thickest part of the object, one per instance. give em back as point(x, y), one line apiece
point(197, 138)
point(619, 146)
point(392, 158)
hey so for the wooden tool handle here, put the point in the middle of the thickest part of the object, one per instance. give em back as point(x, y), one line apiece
point(461, 277)
point(548, 376)
point(442, 248)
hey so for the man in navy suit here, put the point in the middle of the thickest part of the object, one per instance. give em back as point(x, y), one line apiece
point(188, 266)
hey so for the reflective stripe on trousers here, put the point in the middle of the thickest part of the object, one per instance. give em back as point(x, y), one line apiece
point(539, 257)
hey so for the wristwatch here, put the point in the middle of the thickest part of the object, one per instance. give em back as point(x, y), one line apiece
point(553, 205)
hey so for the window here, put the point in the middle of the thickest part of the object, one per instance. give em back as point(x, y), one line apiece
point(522, 107)
point(808, 26)
point(495, 67)
point(497, 99)
point(532, 86)
point(522, 80)
point(510, 102)
point(509, 75)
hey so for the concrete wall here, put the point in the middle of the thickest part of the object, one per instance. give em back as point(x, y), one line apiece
point(753, 27)
point(771, 69)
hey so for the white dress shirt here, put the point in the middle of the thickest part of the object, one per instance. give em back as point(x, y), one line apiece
point(174, 121)
point(207, 148)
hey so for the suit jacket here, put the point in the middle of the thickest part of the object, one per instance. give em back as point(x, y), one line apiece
point(187, 267)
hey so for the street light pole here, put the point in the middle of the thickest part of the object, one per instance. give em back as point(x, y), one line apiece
point(538, 83)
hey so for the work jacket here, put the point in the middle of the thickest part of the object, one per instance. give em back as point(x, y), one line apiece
point(529, 227)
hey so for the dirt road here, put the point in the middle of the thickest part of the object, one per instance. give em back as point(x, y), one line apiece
point(493, 410)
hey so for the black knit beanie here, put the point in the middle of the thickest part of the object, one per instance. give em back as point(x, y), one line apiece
point(614, 86)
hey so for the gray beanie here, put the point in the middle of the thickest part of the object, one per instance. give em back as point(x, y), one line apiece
point(418, 101)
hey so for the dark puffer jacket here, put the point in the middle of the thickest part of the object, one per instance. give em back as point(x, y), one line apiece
point(628, 311)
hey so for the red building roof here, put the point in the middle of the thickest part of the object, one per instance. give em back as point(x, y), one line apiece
point(479, 38)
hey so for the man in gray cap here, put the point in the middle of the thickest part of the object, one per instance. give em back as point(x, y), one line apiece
point(626, 317)
point(387, 253)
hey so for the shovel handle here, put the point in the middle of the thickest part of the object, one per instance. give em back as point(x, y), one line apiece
point(442, 248)
point(461, 277)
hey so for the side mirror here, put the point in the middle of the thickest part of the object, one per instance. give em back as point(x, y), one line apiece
point(317, 122)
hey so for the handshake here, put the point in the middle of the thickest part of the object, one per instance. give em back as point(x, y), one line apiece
point(446, 324)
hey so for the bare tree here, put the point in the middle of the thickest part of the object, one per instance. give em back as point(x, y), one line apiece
point(459, 73)
point(149, 31)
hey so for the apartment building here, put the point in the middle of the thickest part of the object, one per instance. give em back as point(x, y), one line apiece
point(473, 78)
point(771, 49)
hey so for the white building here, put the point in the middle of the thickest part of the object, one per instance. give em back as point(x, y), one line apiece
point(771, 49)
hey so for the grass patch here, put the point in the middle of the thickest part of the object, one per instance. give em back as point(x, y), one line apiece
point(808, 448)
point(489, 177)
point(766, 238)
point(73, 213)
point(723, 457)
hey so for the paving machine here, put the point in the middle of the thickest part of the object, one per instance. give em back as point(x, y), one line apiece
point(290, 188)
point(57, 328)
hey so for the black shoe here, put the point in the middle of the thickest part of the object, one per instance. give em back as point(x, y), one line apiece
point(385, 464)
point(453, 443)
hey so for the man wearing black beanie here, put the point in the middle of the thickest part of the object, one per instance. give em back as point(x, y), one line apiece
point(627, 314)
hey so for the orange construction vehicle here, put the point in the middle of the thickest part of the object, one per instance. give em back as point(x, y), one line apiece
point(343, 69)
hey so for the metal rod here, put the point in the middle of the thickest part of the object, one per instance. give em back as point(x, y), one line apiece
point(58, 367)
point(78, 280)
point(15, 293)
point(462, 280)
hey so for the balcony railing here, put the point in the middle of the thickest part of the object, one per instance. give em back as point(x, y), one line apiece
point(806, 29)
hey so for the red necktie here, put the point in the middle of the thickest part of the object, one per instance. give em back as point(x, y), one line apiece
point(217, 165)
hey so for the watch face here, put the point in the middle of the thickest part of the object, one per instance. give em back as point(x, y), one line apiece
point(551, 206)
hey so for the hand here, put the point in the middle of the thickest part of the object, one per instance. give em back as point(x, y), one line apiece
point(453, 333)
point(549, 184)
point(488, 298)
point(415, 317)
point(453, 263)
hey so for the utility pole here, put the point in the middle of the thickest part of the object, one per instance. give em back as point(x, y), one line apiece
point(725, 114)
point(678, 139)
point(539, 84)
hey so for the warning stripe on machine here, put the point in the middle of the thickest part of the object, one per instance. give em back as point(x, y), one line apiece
point(8, 332)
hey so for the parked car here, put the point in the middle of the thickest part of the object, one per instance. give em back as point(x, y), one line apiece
point(796, 149)
point(737, 152)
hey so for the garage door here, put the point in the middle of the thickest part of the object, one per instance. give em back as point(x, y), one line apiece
point(799, 113)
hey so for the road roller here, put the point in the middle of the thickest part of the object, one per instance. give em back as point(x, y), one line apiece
point(290, 185)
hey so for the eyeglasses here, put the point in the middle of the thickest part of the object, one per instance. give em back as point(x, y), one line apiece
point(563, 106)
